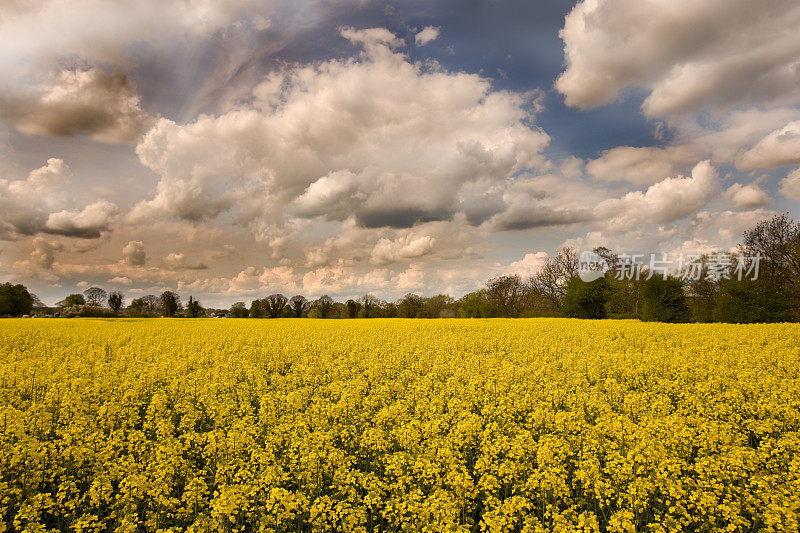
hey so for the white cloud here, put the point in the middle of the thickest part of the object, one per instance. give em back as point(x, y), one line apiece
point(689, 55)
point(380, 138)
point(779, 148)
point(666, 201)
point(747, 196)
point(134, 253)
point(790, 185)
point(642, 166)
point(87, 223)
point(529, 265)
point(426, 35)
point(409, 247)
point(178, 261)
point(121, 280)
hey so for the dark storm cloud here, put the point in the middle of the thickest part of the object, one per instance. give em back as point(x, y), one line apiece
point(99, 104)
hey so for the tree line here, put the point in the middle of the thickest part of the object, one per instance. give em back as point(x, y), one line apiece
point(716, 294)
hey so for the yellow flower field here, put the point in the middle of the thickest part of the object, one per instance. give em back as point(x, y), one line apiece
point(398, 425)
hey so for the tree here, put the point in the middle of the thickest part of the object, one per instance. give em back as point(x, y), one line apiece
point(777, 242)
point(115, 300)
point(299, 305)
point(256, 309)
point(550, 283)
point(663, 300)
point(169, 303)
point(194, 309)
point(476, 305)
point(353, 308)
point(749, 301)
point(439, 306)
point(702, 291)
point(239, 310)
point(369, 305)
point(15, 300)
point(95, 296)
point(586, 300)
point(507, 294)
point(72, 300)
point(324, 305)
point(624, 298)
point(275, 304)
point(410, 305)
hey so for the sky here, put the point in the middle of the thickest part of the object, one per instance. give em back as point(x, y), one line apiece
point(230, 150)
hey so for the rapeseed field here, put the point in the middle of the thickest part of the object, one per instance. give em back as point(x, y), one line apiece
point(398, 425)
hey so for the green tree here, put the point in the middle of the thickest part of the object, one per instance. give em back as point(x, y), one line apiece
point(410, 305)
point(15, 300)
point(239, 310)
point(194, 309)
point(72, 300)
point(353, 308)
point(664, 300)
point(169, 303)
point(439, 306)
point(256, 309)
point(476, 305)
point(115, 300)
point(750, 301)
point(585, 300)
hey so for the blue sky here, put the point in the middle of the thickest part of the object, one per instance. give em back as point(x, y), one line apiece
point(231, 150)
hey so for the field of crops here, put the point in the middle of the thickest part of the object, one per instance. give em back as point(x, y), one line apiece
point(398, 425)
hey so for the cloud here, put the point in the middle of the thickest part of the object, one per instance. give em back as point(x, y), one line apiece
point(388, 251)
point(426, 35)
point(93, 102)
point(87, 223)
point(779, 148)
point(177, 261)
point(377, 137)
point(747, 196)
point(790, 186)
point(666, 201)
point(134, 253)
point(688, 55)
point(529, 265)
point(43, 254)
point(642, 166)
point(24, 203)
point(121, 280)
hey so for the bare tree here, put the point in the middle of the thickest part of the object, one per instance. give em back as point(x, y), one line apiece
point(777, 242)
point(274, 304)
point(150, 303)
point(95, 296)
point(507, 294)
point(550, 283)
point(299, 305)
